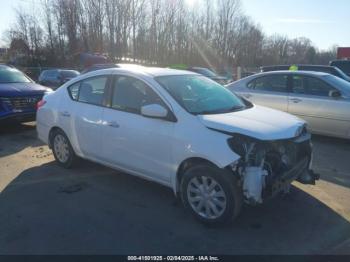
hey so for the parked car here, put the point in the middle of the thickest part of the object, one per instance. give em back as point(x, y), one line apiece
point(18, 95)
point(323, 100)
point(210, 74)
point(316, 68)
point(343, 65)
point(56, 77)
point(179, 129)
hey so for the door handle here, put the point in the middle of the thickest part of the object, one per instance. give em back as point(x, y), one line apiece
point(113, 124)
point(65, 114)
point(295, 100)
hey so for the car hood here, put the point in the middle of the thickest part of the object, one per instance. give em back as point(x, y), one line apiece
point(15, 89)
point(258, 122)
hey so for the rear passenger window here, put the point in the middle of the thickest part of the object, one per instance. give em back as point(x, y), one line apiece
point(92, 90)
point(273, 83)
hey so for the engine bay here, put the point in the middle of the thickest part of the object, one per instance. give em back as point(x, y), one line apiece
point(268, 167)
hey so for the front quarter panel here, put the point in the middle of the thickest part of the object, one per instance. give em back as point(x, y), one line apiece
point(193, 140)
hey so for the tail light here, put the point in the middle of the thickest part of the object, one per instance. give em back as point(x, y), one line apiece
point(41, 103)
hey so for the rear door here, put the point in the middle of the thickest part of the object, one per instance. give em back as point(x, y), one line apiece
point(310, 100)
point(270, 90)
point(82, 117)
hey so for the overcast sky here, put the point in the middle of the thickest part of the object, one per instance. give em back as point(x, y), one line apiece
point(325, 22)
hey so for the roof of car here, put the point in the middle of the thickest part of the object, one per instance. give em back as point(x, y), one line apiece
point(158, 71)
point(298, 65)
point(5, 66)
point(294, 72)
point(150, 71)
point(141, 70)
point(345, 61)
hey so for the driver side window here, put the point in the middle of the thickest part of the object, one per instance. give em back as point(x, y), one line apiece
point(130, 94)
point(310, 86)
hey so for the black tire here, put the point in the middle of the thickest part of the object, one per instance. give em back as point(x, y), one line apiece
point(71, 159)
point(229, 185)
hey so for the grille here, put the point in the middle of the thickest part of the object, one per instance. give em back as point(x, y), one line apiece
point(20, 103)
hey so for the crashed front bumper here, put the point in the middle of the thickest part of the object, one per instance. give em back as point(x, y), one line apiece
point(300, 172)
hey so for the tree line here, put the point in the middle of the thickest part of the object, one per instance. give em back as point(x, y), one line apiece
point(213, 33)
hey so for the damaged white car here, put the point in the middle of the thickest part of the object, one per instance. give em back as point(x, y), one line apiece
point(182, 130)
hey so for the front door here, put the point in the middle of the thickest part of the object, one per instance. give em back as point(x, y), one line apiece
point(132, 141)
point(311, 101)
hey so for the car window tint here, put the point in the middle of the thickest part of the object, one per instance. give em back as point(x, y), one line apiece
point(298, 85)
point(275, 83)
point(317, 87)
point(74, 91)
point(310, 86)
point(92, 90)
point(130, 94)
point(51, 73)
point(10, 75)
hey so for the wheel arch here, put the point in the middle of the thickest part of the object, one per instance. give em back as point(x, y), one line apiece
point(185, 165)
point(51, 132)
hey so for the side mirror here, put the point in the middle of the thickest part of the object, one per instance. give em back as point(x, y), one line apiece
point(334, 94)
point(154, 111)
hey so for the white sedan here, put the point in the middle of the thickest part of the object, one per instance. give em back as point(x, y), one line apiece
point(179, 129)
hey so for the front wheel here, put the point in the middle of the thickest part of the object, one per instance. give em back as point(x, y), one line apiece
point(62, 149)
point(212, 195)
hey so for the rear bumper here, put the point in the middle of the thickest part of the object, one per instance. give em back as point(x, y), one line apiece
point(18, 117)
point(43, 132)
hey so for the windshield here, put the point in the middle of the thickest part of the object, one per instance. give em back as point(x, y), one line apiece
point(342, 74)
point(200, 95)
point(344, 66)
point(9, 75)
point(205, 72)
point(339, 83)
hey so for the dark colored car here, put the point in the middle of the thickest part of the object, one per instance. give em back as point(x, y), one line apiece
point(210, 74)
point(343, 65)
point(316, 68)
point(19, 95)
point(56, 77)
point(98, 67)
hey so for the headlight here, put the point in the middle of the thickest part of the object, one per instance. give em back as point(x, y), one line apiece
point(302, 130)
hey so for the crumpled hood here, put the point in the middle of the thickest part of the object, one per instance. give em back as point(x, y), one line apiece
point(259, 122)
point(15, 89)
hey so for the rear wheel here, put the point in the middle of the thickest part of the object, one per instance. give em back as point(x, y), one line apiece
point(62, 149)
point(212, 195)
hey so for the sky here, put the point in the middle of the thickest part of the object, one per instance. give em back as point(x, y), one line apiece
point(325, 22)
